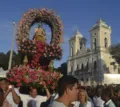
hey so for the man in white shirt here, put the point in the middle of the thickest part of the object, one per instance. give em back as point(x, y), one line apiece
point(11, 94)
point(98, 102)
point(35, 97)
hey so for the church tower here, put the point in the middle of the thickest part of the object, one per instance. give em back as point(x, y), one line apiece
point(100, 36)
point(75, 44)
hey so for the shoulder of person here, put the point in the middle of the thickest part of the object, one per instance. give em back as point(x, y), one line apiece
point(76, 103)
point(111, 104)
point(42, 98)
point(24, 96)
point(89, 104)
point(57, 104)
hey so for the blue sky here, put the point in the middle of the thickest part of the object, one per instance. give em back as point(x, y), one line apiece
point(82, 14)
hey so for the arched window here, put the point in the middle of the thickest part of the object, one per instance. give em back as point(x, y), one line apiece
point(105, 42)
point(80, 45)
point(82, 67)
point(82, 79)
point(87, 66)
point(71, 68)
point(95, 43)
point(77, 67)
point(95, 65)
point(72, 51)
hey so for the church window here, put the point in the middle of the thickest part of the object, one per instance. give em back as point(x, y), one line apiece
point(87, 66)
point(80, 45)
point(105, 42)
point(94, 43)
point(71, 69)
point(72, 50)
point(105, 33)
point(77, 67)
point(82, 79)
point(82, 67)
point(87, 79)
point(95, 65)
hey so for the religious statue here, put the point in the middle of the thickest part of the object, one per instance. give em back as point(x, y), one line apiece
point(25, 61)
point(40, 34)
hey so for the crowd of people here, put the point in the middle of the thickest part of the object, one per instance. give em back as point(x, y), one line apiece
point(69, 94)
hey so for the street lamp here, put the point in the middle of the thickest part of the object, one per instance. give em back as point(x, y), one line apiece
point(12, 46)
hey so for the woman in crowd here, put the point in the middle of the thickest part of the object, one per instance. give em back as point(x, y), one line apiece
point(83, 99)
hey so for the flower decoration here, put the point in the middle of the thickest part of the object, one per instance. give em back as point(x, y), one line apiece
point(43, 15)
point(27, 46)
point(39, 53)
point(25, 76)
point(37, 71)
point(53, 52)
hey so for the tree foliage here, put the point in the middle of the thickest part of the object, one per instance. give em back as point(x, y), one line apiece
point(4, 59)
point(115, 52)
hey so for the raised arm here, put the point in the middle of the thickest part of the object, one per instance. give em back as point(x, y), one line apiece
point(48, 93)
point(16, 98)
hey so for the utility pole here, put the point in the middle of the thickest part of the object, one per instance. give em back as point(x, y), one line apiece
point(12, 46)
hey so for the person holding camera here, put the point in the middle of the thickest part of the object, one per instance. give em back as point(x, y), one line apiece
point(11, 95)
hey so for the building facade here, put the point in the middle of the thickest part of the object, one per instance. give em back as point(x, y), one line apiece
point(90, 64)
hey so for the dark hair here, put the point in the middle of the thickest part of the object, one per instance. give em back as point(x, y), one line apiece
point(106, 92)
point(98, 91)
point(4, 79)
point(66, 82)
point(33, 87)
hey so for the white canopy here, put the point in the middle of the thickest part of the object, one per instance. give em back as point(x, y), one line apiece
point(112, 78)
point(3, 73)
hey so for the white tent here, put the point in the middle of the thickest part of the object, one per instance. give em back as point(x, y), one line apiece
point(112, 78)
point(3, 73)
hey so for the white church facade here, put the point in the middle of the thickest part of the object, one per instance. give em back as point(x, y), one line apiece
point(90, 64)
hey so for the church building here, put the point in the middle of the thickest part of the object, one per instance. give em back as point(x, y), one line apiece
point(90, 64)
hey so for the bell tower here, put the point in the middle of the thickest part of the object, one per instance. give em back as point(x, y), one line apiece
point(74, 43)
point(100, 36)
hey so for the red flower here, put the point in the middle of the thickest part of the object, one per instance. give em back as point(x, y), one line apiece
point(17, 80)
point(11, 79)
point(19, 84)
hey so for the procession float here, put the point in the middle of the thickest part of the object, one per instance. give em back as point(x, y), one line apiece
point(37, 56)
